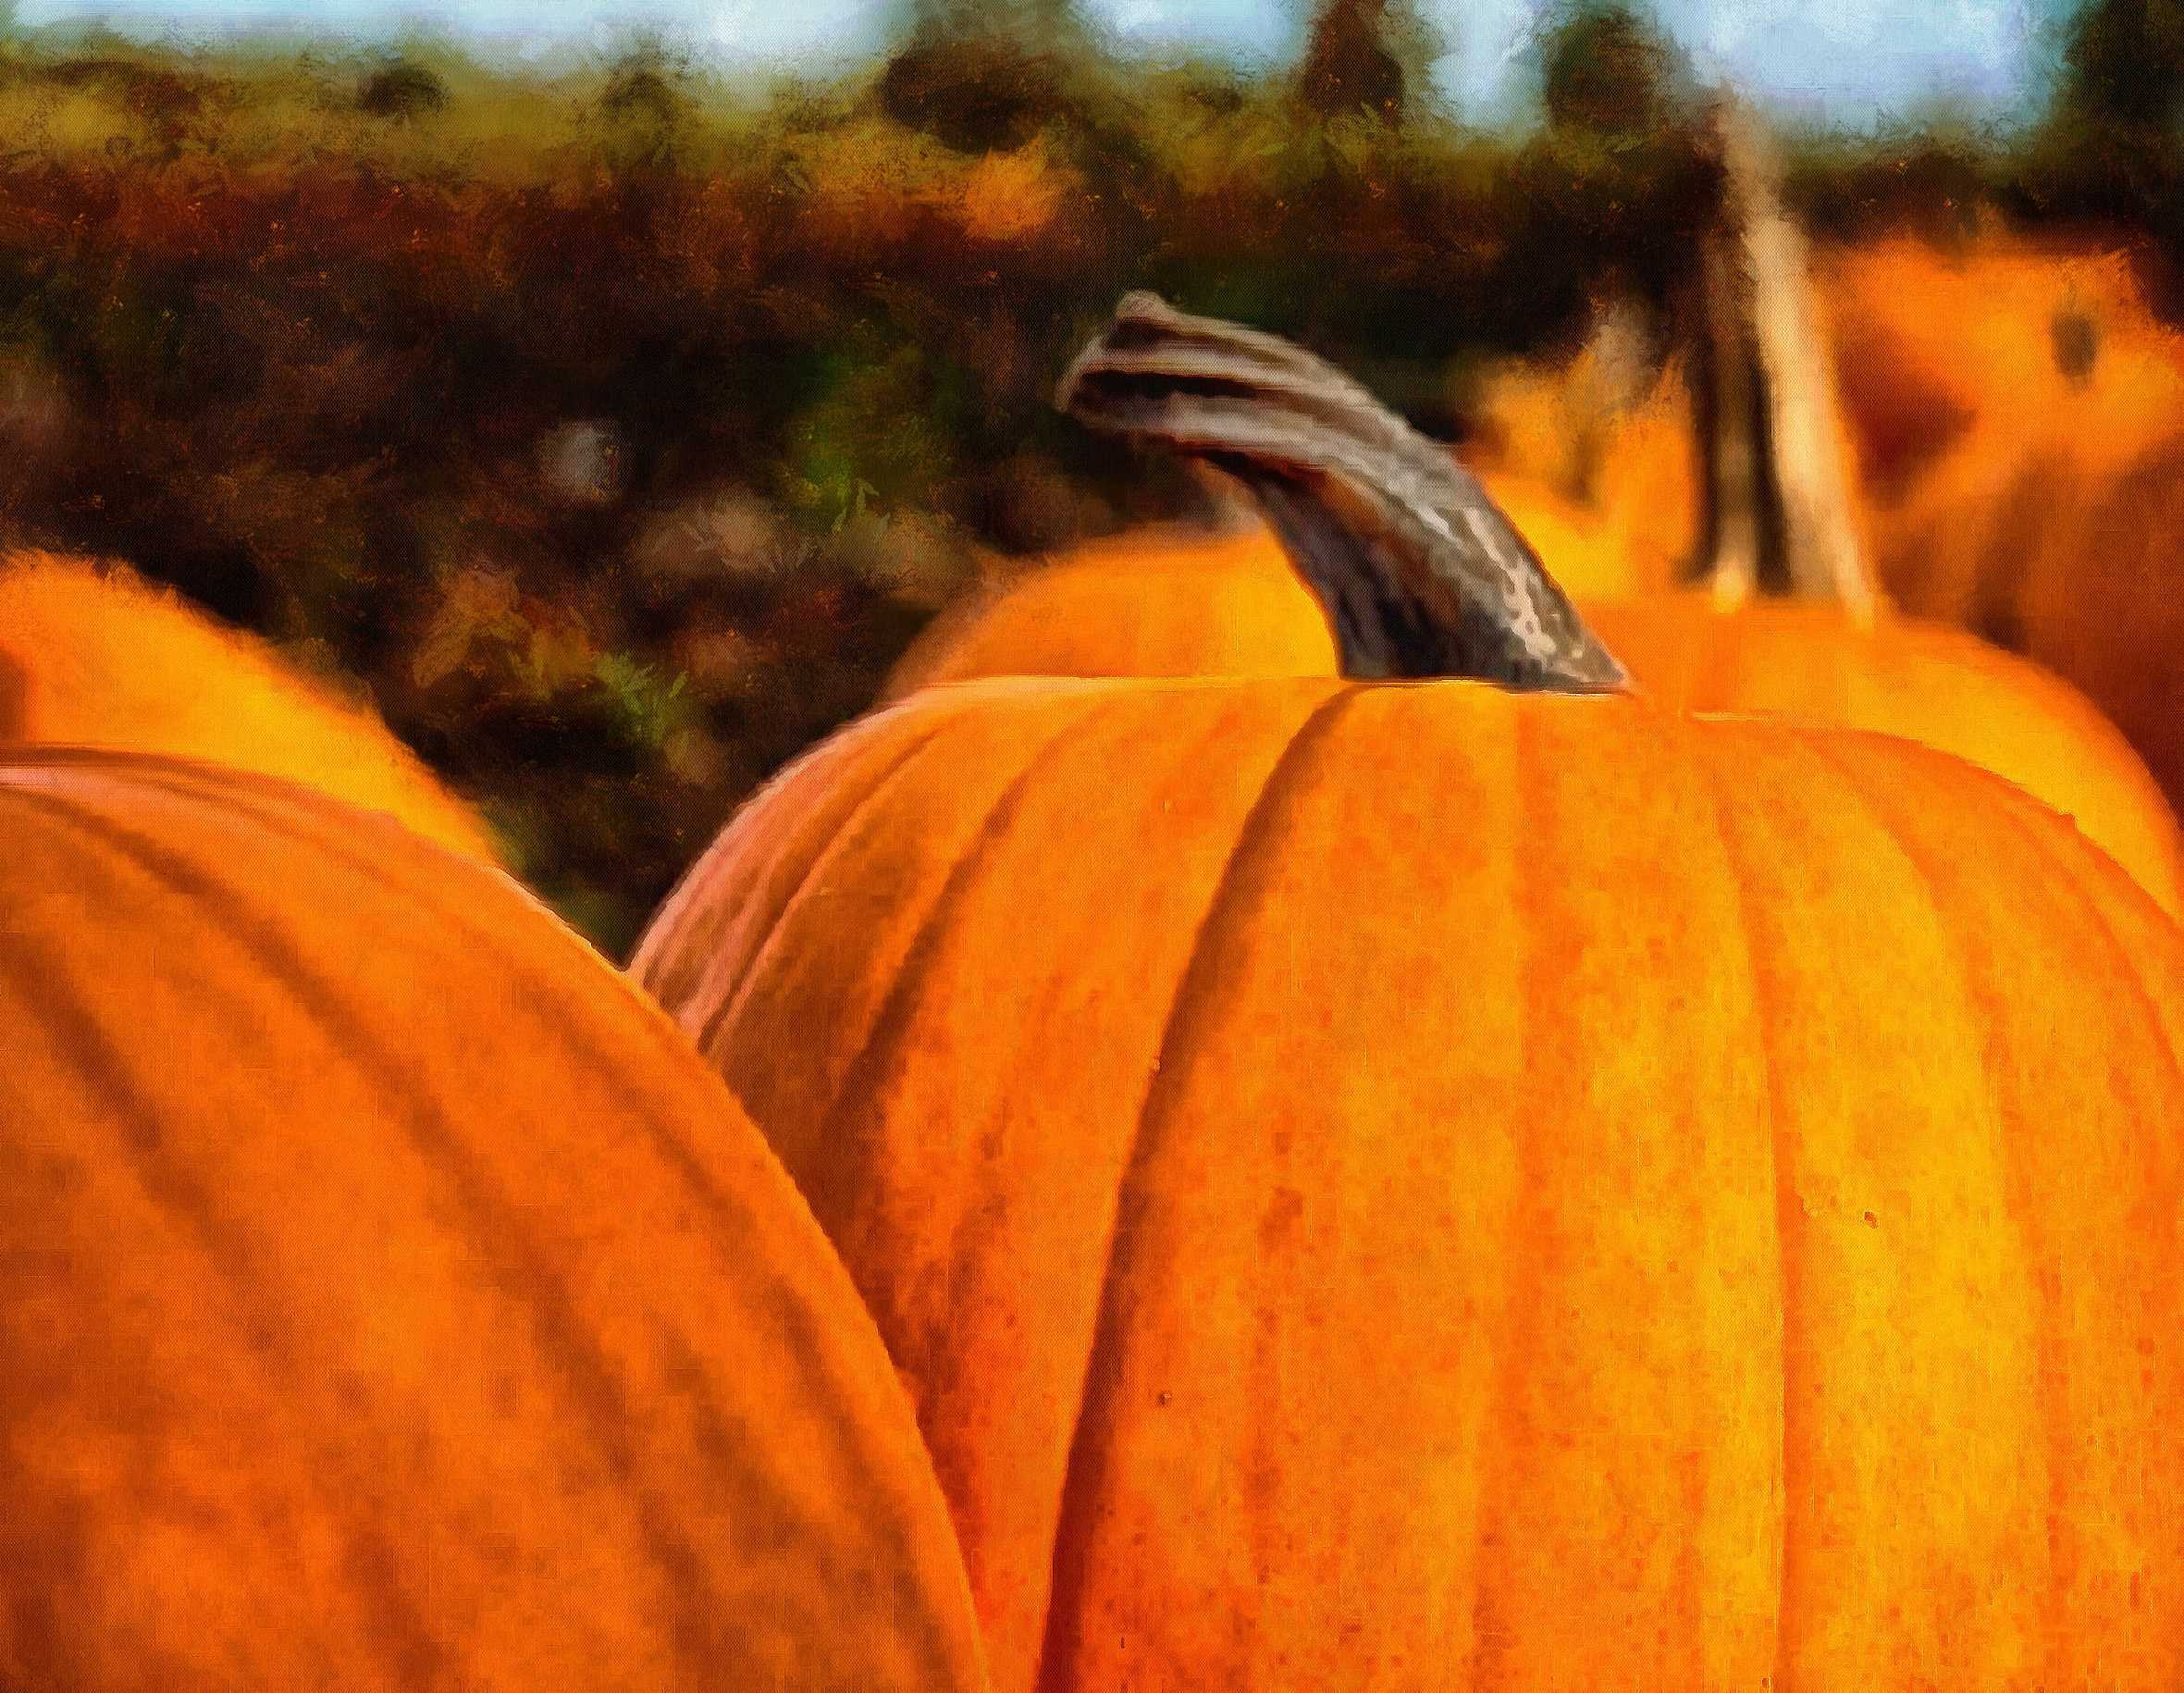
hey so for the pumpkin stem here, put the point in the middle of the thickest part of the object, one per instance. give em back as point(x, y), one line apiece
point(1779, 515)
point(1419, 572)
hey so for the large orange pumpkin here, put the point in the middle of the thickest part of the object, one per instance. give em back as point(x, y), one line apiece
point(390, 1298)
point(1423, 1184)
point(92, 654)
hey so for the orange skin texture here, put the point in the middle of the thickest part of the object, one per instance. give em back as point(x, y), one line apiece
point(1161, 602)
point(2080, 567)
point(1966, 337)
point(1407, 1186)
point(389, 1297)
point(93, 655)
point(1923, 681)
point(2098, 595)
point(1923, 331)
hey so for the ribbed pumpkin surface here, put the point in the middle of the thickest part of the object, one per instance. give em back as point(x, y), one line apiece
point(1921, 680)
point(389, 1298)
point(93, 655)
point(1412, 1186)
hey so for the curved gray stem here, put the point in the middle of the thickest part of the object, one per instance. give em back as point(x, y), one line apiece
point(1418, 570)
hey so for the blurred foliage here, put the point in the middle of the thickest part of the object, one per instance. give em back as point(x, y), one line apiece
point(2112, 143)
point(618, 428)
point(1608, 72)
point(2125, 65)
point(1351, 63)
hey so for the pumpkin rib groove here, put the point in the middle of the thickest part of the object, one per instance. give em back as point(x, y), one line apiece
point(892, 1024)
point(488, 1215)
point(686, 897)
point(685, 906)
point(2032, 819)
point(393, 1623)
point(732, 1002)
point(274, 809)
point(1985, 1009)
point(2126, 955)
point(1192, 1004)
point(2166, 1175)
point(1531, 1220)
point(1789, 1234)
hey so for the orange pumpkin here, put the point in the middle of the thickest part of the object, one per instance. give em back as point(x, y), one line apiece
point(390, 1298)
point(1921, 680)
point(1951, 367)
point(1180, 604)
point(91, 654)
point(1963, 353)
point(2082, 569)
point(1155, 602)
point(1421, 1183)
point(2050, 523)
point(2045, 359)
point(1616, 456)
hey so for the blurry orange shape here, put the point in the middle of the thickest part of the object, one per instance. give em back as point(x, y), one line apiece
point(92, 654)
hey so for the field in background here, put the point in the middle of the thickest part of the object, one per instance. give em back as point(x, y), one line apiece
point(616, 431)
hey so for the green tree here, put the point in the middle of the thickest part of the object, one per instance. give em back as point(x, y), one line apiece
point(2123, 66)
point(1347, 64)
point(981, 74)
point(1606, 70)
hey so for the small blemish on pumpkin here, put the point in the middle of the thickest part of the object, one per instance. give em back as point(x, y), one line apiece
point(1872, 1221)
point(1162, 1397)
